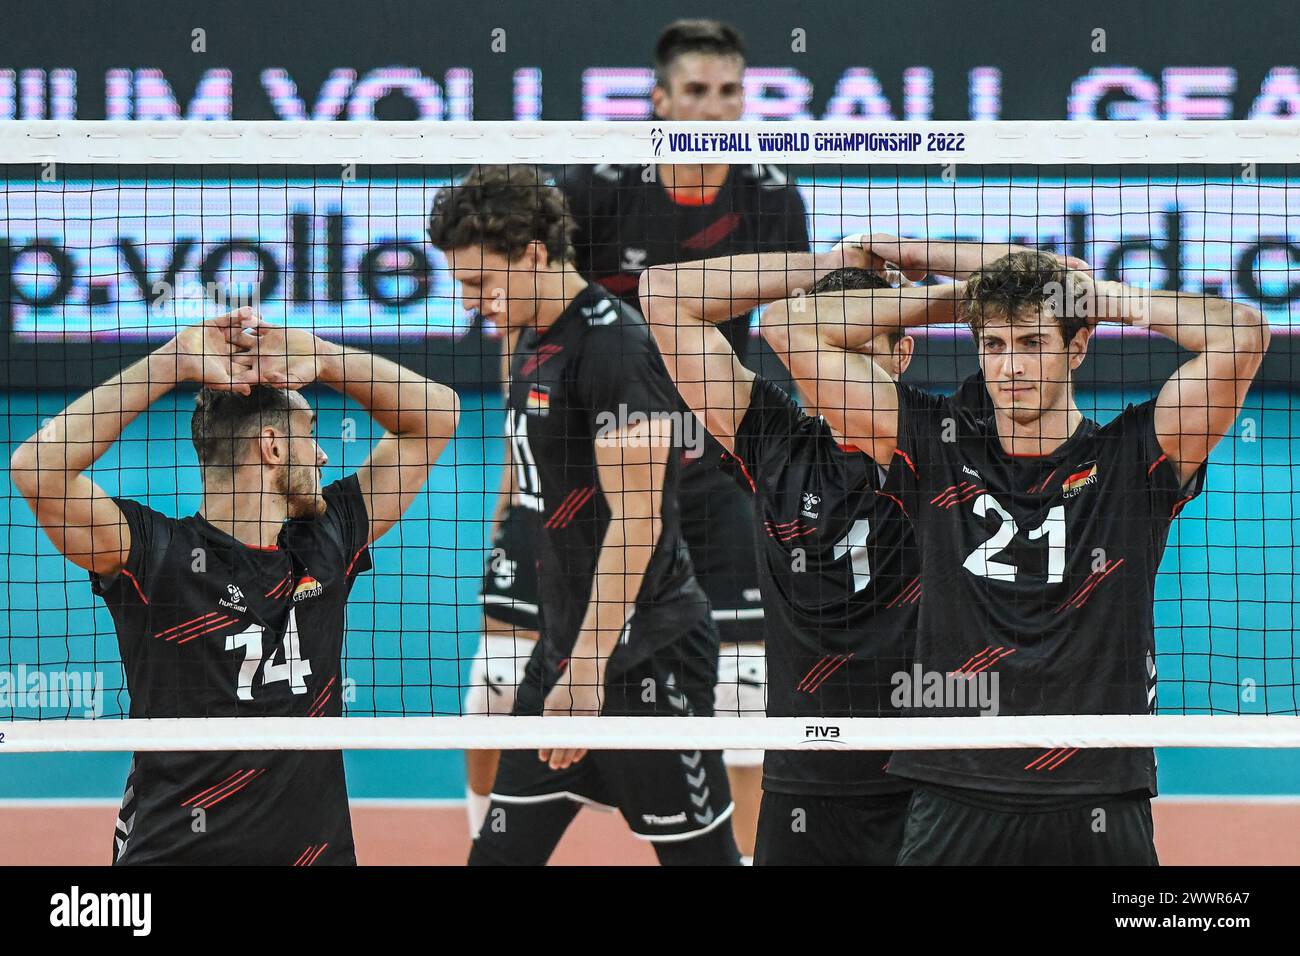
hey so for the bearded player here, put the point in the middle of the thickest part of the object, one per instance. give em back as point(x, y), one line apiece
point(1039, 531)
point(236, 610)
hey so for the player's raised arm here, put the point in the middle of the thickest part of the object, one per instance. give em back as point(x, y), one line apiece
point(418, 416)
point(1202, 399)
point(683, 304)
point(79, 517)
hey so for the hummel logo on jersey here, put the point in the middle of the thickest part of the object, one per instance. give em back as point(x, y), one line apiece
point(967, 470)
point(236, 602)
point(810, 503)
point(308, 587)
point(1081, 479)
point(657, 821)
point(602, 313)
point(633, 260)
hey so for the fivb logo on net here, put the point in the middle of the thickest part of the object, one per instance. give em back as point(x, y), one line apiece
point(66, 691)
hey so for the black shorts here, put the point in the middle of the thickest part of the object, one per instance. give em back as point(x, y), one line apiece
point(663, 794)
point(954, 827)
point(509, 590)
point(718, 525)
point(800, 830)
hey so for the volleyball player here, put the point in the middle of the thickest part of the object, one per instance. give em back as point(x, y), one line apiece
point(1039, 532)
point(839, 584)
point(624, 628)
point(631, 217)
point(237, 610)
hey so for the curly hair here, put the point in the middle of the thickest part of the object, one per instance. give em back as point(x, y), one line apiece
point(712, 37)
point(1022, 282)
point(850, 278)
point(503, 209)
point(224, 421)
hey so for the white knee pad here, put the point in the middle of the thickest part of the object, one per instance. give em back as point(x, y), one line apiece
point(741, 692)
point(495, 674)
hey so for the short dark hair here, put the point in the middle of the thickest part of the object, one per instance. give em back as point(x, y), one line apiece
point(1020, 282)
point(223, 421)
point(503, 208)
point(848, 279)
point(695, 36)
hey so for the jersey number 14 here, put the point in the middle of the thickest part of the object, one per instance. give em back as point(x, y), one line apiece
point(294, 668)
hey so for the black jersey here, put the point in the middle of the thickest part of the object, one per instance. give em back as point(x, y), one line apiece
point(594, 371)
point(626, 225)
point(840, 590)
point(1039, 572)
point(211, 627)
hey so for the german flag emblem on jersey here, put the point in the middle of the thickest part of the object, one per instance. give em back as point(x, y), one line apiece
point(307, 587)
point(1075, 483)
point(539, 400)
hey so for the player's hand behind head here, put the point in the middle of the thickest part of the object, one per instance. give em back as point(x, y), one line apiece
point(285, 358)
point(219, 353)
point(898, 261)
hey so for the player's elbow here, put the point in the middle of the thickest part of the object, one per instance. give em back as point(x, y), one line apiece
point(653, 289)
point(1250, 329)
point(23, 465)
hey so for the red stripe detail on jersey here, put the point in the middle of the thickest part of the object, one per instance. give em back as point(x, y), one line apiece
point(973, 658)
point(1179, 506)
point(851, 449)
point(1083, 597)
point(353, 562)
point(1042, 485)
point(895, 500)
point(908, 461)
point(784, 524)
point(821, 678)
point(1084, 590)
point(263, 547)
point(138, 590)
point(544, 353)
point(1042, 757)
point(303, 855)
point(324, 691)
point(753, 489)
point(316, 856)
point(215, 626)
point(1062, 759)
point(563, 504)
point(203, 793)
point(233, 789)
point(899, 597)
point(569, 507)
point(812, 672)
point(620, 283)
point(185, 624)
point(990, 662)
point(1155, 464)
point(274, 592)
point(713, 233)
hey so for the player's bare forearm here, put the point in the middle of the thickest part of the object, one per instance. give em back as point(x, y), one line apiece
point(715, 290)
point(75, 438)
point(1199, 323)
point(938, 256)
point(625, 555)
point(403, 402)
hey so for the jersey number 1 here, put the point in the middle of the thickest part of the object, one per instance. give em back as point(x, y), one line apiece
point(855, 544)
point(294, 668)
